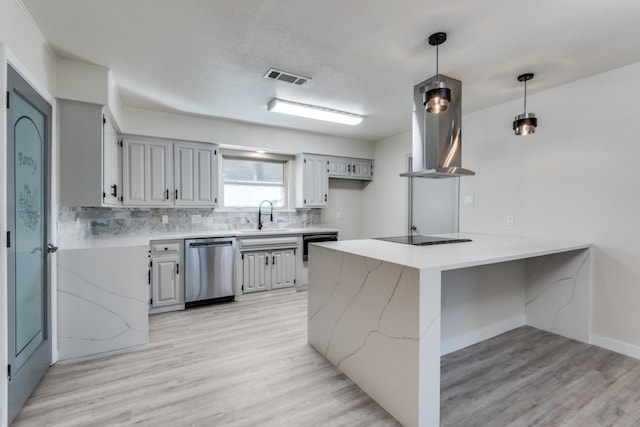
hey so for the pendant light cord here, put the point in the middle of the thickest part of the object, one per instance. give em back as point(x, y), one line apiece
point(437, 61)
point(525, 97)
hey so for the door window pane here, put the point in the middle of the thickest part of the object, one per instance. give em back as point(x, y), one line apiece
point(29, 229)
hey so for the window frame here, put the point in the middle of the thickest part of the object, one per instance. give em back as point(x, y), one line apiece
point(285, 159)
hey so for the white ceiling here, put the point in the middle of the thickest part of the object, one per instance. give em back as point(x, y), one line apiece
point(208, 57)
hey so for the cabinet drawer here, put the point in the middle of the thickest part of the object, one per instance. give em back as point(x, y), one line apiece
point(166, 247)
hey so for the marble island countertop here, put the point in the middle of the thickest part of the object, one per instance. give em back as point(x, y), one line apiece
point(483, 249)
point(143, 239)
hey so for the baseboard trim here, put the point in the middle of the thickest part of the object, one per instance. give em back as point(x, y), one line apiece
point(474, 337)
point(617, 346)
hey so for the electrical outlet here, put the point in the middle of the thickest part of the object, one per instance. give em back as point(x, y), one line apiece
point(196, 219)
point(468, 200)
point(510, 220)
point(165, 219)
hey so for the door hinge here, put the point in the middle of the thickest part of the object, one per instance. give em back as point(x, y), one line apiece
point(178, 268)
point(215, 152)
point(8, 239)
point(9, 372)
point(120, 143)
point(151, 301)
point(215, 200)
point(8, 100)
point(104, 120)
point(242, 256)
point(242, 288)
point(294, 281)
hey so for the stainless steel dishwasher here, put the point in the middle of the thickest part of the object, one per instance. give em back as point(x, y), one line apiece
point(210, 270)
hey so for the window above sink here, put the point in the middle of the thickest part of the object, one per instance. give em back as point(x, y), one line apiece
point(249, 178)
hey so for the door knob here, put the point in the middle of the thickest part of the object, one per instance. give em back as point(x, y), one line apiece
point(51, 249)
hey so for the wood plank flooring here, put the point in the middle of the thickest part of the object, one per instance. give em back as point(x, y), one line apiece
point(249, 364)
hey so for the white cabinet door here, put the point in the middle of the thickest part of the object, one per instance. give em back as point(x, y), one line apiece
point(316, 182)
point(148, 172)
point(134, 171)
point(283, 268)
point(256, 271)
point(165, 281)
point(362, 169)
point(195, 174)
point(159, 173)
point(339, 167)
point(111, 165)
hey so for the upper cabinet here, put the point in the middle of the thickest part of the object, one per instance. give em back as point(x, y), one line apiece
point(148, 172)
point(312, 181)
point(195, 174)
point(166, 173)
point(90, 156)
point(314, 171)
point(342, 167)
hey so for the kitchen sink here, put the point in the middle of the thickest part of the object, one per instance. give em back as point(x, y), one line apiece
point(268, 230)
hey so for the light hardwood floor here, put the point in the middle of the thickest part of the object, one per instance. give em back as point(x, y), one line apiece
point(249, 364)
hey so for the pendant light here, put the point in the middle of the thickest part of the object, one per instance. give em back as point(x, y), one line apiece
point(437, 94)
point(525, 123)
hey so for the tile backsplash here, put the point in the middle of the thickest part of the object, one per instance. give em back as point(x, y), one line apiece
point(79, 223)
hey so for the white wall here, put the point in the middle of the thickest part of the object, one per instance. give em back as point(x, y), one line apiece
point(575, 178)
point(23, 44)
point(345, 207)
point(384, 200)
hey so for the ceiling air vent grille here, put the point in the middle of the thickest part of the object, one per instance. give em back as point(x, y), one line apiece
point(285, 76)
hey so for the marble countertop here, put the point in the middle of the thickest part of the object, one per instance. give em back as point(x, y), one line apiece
point(483, 249)
point(143, 240)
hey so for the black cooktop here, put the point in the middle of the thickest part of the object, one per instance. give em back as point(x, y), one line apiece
point(419, 240)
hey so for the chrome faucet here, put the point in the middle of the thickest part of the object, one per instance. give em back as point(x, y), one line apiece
point(260, 213)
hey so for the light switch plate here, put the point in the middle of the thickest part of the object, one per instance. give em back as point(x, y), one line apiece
point(165, 219)
point(468, 200)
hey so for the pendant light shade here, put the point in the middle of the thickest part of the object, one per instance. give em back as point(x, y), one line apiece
point(525, 123)
point(437, 94)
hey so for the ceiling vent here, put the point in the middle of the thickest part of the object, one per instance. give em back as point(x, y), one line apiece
point(285, 76)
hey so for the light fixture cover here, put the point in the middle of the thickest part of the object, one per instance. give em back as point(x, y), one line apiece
point(525, 123)
point(437, 97)
point(313, 112)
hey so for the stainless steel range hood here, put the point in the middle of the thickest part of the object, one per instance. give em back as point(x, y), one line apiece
point(437, 138)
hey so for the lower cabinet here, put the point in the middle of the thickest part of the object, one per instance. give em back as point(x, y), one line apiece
point(265, 270)
point(167, 290)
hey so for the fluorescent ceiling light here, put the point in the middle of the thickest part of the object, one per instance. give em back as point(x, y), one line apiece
point(313, 112)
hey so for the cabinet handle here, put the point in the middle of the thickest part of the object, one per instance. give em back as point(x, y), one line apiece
point(167, 194)
point(349, 169)
point(266, 259)
point(178, 268)
point(273, 260)
point(114, 193)
point(176, 194)
point(325, 197)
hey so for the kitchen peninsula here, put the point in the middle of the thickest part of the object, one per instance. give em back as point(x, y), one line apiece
point(385, 312)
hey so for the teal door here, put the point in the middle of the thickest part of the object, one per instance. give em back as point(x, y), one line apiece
point(29, 135)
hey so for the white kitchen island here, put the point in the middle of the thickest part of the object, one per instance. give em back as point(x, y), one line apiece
point(384, 312)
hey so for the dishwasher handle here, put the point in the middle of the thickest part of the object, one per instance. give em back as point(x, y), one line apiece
point(211, 244)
